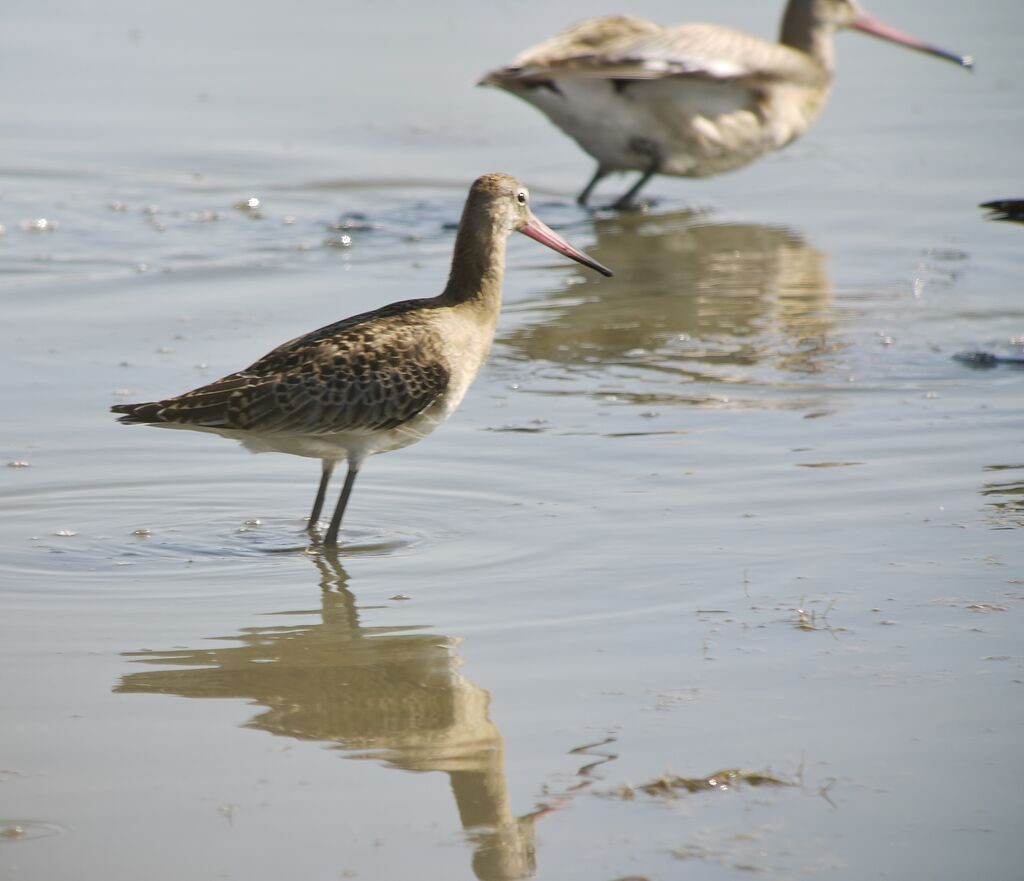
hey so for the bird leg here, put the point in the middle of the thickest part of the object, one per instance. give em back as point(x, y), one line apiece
point(581, 199)
point(318, 504)
point(331, 539)
point(645, 148)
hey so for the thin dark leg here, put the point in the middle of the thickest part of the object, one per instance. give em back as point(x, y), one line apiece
point(581, 199)
point(650, 150)
point(626, 200)
point(331, 539)
point(318, 505)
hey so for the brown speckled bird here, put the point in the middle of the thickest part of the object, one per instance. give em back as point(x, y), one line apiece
point(377, 381)
point(690, 100)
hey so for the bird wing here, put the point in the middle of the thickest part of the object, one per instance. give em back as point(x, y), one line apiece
point(364, 374)
point(623, 47)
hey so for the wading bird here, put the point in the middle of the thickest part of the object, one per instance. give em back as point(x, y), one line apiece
point(691, 100)
point(377, 381)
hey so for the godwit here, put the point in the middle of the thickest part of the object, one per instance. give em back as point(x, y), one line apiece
point(691, 100)
point(377, 381)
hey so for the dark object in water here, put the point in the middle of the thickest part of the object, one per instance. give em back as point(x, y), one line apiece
point(1005, 209)
point(987, 359)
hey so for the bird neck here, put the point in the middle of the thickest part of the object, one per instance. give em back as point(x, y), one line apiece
point(806, 32)
point(478, 265)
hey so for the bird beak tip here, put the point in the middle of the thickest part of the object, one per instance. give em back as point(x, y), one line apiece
point(539, 231)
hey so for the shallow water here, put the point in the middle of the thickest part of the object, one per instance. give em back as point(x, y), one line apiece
point(736, 508)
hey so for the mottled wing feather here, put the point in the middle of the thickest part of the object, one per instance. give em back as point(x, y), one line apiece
point(367, 373)
point(630, 48)
point(591, 38)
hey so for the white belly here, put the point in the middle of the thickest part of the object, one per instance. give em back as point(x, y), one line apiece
point(699, 128)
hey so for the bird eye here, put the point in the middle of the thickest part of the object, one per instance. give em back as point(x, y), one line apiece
point(521, 197)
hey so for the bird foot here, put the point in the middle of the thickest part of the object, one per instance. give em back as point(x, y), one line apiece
point(641, 206)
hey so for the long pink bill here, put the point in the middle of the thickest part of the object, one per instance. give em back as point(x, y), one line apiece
point(868, 24)
point(541, 232)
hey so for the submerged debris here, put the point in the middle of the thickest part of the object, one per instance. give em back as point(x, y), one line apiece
point(671, 785)
point(351, 221)
point(339, 241)
point(17, 830)
point(986, 359)
point(987, 607)
point(812, 619)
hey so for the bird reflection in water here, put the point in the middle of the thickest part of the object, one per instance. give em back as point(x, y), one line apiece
point(1004, 498)
point(711, 302)
point(380, 692)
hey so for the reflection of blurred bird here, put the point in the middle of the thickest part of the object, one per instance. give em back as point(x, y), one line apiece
point(383, 692)
point(691, 100)
point(689, 295)
point(377, 381)
point(1005, 507)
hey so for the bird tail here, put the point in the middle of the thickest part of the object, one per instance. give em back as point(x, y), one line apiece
point(139, 414)
point(501, 78)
